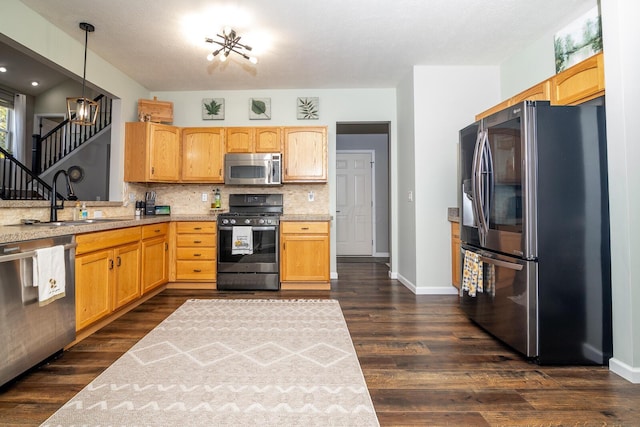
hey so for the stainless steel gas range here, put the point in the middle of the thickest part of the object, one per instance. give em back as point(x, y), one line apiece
point(249, 243)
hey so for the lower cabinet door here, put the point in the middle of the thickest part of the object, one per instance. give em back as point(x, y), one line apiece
point(154, 263)
point(93, 278)
point(127, 272)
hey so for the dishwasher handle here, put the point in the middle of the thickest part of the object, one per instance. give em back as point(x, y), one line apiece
point(29, 254)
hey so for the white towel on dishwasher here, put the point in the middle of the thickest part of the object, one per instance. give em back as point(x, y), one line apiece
point(49, 274)
point(242, 238)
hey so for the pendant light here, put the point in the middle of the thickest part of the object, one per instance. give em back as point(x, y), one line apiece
point(82, 111)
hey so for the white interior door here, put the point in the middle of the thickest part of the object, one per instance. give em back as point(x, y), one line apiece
point(354, 204)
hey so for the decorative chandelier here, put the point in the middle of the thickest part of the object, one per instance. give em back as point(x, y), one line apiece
point(230, 43)
point(82, 111)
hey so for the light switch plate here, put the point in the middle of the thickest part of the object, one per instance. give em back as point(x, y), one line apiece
point(204, 197)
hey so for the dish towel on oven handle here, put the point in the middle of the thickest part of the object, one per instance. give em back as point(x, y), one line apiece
point(242, 241)
point(49, 274)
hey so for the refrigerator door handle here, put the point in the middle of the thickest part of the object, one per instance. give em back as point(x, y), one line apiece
point(500, 263)
point(475, 180)
point(480, 189)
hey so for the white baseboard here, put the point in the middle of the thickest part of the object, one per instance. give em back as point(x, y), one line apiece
point(333, 275)
point(381, 254)
point(430, 290)
point(393, 275)
point(627, 372)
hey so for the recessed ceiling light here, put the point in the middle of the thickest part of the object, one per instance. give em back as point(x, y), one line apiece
point(3, 69)
point(34, 84)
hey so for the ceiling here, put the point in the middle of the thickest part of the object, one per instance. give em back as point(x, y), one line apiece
point(304, 44)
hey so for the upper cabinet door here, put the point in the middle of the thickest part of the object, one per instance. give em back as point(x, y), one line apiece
point(240, 140)
point(203, 154)
point(580, 83)
point(164, 153)
point(268, 140)
point(152, 152)
point(305, 154)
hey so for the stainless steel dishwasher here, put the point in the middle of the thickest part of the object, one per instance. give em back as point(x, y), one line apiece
point(30, 333)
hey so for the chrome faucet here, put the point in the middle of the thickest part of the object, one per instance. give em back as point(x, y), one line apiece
point(54, 195)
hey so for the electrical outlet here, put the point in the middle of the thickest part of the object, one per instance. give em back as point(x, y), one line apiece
point(410, 196)
point(204, 197)
point(311, 196)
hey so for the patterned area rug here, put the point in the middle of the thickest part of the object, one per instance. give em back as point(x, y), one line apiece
point(233, 363)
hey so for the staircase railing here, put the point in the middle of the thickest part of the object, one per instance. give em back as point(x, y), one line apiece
point(65, 138)
point(17, 182)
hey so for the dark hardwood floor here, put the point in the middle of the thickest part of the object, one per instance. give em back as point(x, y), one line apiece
point(424, 362)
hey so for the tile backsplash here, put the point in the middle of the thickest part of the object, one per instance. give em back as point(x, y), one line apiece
point(184, 199)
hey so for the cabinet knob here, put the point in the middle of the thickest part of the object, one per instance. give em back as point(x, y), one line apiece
point(197, 254)
point(110, 264)
point(197, 241)
point(196, 270)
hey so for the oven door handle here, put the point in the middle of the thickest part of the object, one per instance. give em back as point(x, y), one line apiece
point(268, 228)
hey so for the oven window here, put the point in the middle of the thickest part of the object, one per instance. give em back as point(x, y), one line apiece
point(265, 247)
point(506, 192)
point(249, 171)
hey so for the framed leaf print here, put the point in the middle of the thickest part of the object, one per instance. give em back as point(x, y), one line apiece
point(308, 108)
point(260, 108)
point(213, 109)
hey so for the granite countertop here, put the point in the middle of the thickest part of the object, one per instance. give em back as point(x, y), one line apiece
point(16, 233)
point(306, 217)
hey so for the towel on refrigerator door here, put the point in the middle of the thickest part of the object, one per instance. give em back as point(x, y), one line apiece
point(472, 273)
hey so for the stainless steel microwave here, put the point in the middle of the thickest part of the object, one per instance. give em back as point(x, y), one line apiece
point(253, 169)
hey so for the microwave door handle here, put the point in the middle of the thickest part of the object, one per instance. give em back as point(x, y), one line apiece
point(270, 168)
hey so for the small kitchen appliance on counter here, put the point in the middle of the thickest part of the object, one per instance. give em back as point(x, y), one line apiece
point(248, 243)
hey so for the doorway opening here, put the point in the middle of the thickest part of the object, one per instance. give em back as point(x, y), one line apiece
point(362, 191)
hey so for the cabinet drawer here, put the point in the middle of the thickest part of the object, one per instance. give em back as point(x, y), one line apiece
point(154, 230)
point(90, 242)
point(196, 240)
point(196, 254)
point(196, 270)
point(196, 227)
point(304, 227)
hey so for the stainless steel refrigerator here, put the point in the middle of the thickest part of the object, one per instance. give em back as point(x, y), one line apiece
point(534, 220)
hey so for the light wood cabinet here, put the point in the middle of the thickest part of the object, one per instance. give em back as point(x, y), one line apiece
point(268, 140)
point(126, 283)
point(577, 84)
point(203, 155)
point(155, 256)
point(304, 255)
point(152, 152)
point(253, 139)
point(305, 154)
point(239, 140)
point(107, 273)
point(580, 83)
point(456, 261)
point(196, 251)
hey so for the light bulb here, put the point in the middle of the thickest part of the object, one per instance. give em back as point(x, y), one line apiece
point(223, 57)
point(210, 57)
point(253, 60)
